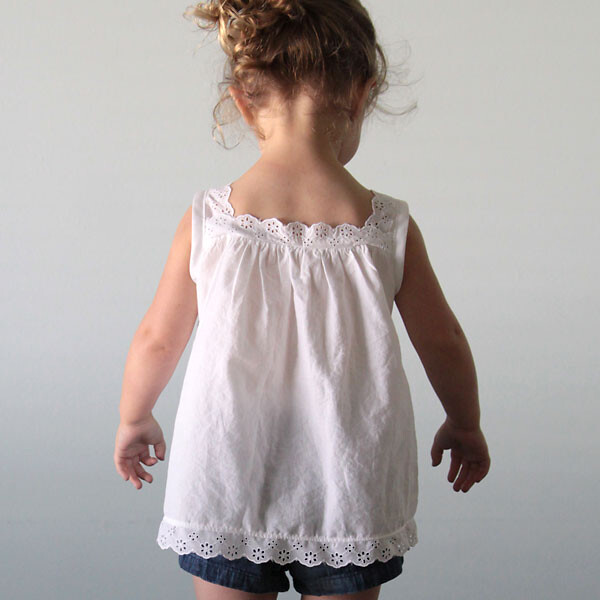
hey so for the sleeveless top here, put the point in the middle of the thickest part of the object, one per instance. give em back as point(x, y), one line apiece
point(294, 437)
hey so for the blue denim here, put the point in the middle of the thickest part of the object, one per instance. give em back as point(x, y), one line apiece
point(319, 580)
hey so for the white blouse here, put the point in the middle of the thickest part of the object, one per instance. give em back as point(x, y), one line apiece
point(294, 437)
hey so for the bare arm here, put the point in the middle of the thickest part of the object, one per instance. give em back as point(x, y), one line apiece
point(437, 335)
point(163, 332)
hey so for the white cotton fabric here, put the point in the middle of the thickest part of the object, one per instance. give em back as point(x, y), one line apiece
point(294, 437)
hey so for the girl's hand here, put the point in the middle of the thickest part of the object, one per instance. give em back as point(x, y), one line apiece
point(467, 448)
point(132, 449)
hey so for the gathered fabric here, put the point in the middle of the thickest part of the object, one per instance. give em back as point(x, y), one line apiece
point(294, 438)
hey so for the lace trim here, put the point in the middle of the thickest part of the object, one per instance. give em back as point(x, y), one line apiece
point(375, 231)
point(207, 543)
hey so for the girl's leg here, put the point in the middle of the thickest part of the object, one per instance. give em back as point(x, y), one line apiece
point(205, 590)
point(370, 594)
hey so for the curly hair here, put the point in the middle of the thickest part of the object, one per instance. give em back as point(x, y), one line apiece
point(326, 48)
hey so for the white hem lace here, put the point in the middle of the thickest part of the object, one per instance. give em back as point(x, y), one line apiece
point(207, 543)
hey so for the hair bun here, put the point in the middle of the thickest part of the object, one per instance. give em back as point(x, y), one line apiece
point(292, 9)
point(239, 20)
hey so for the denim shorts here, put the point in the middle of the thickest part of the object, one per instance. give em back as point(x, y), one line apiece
point(318, 580)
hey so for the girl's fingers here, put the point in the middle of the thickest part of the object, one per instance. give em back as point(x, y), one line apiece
point(471, 484)
point(121, 470)
point(477, 472)
point(454, 465)
point(481, 472)
point(484, 467)
point(436, 454)
point(160, 449)
point(471, 479)
point(464, 471)
point(141, 473)
point(132, 474)
point(131, 468)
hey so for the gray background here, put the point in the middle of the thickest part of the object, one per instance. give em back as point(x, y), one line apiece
point(105, 136)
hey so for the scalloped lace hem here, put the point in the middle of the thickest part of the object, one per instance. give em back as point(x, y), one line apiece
point(207, 543)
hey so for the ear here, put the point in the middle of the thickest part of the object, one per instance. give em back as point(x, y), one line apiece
point(240, 102)
point(362, 94)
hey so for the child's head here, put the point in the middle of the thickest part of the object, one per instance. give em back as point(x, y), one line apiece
point(315, 58)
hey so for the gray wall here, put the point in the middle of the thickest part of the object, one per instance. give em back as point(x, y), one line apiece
point(105, 121)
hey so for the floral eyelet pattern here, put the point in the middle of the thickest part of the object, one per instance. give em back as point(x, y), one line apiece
point(376, 231)
point(259, 548)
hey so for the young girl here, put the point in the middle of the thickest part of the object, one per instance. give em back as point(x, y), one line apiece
point(294, 444)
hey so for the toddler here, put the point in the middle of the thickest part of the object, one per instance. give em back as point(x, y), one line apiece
point(294, 444)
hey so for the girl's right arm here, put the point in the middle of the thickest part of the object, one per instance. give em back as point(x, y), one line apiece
point(444, 352)
point(164, 331)
point(157, 345)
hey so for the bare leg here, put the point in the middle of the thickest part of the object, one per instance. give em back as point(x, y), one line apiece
point(370, 594)
point(205, 590)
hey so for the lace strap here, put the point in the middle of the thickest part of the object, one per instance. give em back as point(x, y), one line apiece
point(401, 220)
point(198, 204)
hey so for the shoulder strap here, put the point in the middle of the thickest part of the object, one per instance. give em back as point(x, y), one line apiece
point(197, 232)
point(400, 230)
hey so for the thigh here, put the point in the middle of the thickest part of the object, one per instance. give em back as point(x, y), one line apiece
point(205, 590)
point(325, 580)
point(237, 574)
point(370, 594)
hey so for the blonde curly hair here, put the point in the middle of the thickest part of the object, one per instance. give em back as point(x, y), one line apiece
point(326, 48)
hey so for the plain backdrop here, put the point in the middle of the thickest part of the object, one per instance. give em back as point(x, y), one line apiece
point(106, 114)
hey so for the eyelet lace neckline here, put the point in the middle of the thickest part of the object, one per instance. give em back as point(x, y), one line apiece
point(376, 230)
point(296, 225)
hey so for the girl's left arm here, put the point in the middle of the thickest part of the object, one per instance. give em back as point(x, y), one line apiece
point(163, 332)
